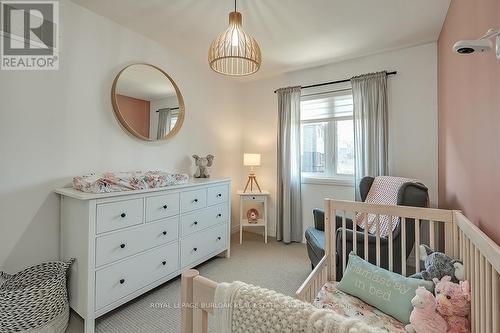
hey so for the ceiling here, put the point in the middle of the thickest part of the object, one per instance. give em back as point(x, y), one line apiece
point(292, 34)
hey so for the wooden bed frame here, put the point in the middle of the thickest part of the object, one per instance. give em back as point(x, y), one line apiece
point(462, 240)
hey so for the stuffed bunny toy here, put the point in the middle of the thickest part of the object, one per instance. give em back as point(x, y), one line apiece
point(437, 265)
point(424, 318)
point(453, 304)
point(202, 164)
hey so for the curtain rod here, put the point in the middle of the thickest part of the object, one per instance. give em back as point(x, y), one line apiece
point(177, 108)
point(334, 82)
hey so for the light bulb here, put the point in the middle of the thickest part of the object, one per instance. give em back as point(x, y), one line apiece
point(235, 40)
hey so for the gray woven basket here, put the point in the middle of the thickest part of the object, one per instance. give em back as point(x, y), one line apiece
point(35, 299)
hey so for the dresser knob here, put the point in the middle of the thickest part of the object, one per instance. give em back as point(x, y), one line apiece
point(165, 206)
point(123, 214)
point(163, 263)
point(253, 198)
point(122, 246)
point(195, 200)
point(218, 238)
point(164, 232)
point(122, 281)
point(219, 195)
point(195, 249)
point(219, 215)
point(195, 222)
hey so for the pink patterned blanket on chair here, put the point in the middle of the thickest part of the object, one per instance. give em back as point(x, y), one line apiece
point(126, 181)
point(384, 190)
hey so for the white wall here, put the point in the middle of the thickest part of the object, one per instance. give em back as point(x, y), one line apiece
point(412, 119)
point(55, 125)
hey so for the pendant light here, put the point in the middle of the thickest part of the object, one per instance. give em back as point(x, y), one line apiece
point(234, 52)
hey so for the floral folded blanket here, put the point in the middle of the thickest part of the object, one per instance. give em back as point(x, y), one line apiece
point(127, 181)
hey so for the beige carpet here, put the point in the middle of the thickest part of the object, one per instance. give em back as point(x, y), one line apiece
point(273, 265)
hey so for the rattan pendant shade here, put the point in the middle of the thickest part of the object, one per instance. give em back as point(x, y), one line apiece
point(234, 52)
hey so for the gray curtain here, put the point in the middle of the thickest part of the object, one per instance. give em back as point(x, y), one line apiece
point(289, 205)
point(163, 123)
point(370, 126)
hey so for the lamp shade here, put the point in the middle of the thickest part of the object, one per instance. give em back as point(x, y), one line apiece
point(251, 159)
point(234, 52)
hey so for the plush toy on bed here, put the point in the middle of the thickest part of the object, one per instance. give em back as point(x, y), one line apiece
point(453, 304)
point(437, 265)
point(424, 318)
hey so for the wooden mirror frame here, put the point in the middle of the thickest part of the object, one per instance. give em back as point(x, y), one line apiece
point(116, 109)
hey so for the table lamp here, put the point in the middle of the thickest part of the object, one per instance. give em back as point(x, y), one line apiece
point(251, 160)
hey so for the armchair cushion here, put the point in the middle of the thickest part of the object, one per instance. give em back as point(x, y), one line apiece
point(319, 219)
point(315, 240)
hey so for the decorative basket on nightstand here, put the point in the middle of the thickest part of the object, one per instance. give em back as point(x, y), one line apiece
point(35, 299)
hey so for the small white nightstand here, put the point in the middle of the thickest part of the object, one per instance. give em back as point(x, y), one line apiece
point(257, 200)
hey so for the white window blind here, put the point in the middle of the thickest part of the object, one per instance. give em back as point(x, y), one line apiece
point(327, 135)
point(326, 105)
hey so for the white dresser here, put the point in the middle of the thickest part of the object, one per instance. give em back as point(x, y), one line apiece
point(126, 243)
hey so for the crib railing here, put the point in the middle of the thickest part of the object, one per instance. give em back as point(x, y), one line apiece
point(197, 297)
point(462, 239)
point(481, 258)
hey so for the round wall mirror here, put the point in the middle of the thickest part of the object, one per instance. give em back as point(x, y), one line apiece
point(147, 102)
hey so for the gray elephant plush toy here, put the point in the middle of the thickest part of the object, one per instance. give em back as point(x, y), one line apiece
point(202, 164)
point(438, 264)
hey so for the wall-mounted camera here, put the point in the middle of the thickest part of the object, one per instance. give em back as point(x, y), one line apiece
point(480, 45)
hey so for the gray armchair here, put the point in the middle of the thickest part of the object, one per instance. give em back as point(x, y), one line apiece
point(410, 194)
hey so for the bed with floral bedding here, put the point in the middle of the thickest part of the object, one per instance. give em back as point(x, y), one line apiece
point(127, 181)
point(344, 304)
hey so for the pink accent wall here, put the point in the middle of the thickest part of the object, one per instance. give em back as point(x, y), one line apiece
point(469, 117)
point(136, 113)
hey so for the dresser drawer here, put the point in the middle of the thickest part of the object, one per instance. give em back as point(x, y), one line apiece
point(119, 280)
point(162, 206)
point(110, 248)
point(201, 244)
point(117, 215)
point(217, 195)
point(203, 219)
point(192, 200)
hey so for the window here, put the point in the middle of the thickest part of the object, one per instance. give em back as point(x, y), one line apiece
point(327, 135)
point(174, 115)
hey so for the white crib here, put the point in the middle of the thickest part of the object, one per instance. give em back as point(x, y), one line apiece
point(462, 239)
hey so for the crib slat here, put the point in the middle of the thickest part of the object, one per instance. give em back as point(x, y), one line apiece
point(354, 237)
point(468, 266)
point(482, 303)
point(344, 242)
point(462, 245)
point(417, 245)
point(476, 290)
point(472, 283)
point(333, 249)
point(390, 243)
point(489, 305)
point(455, 240)
point(403, 246)
point(482, 274)
point(377, 239)
point(365, 218)
point(431, 235)
point(496, 301)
